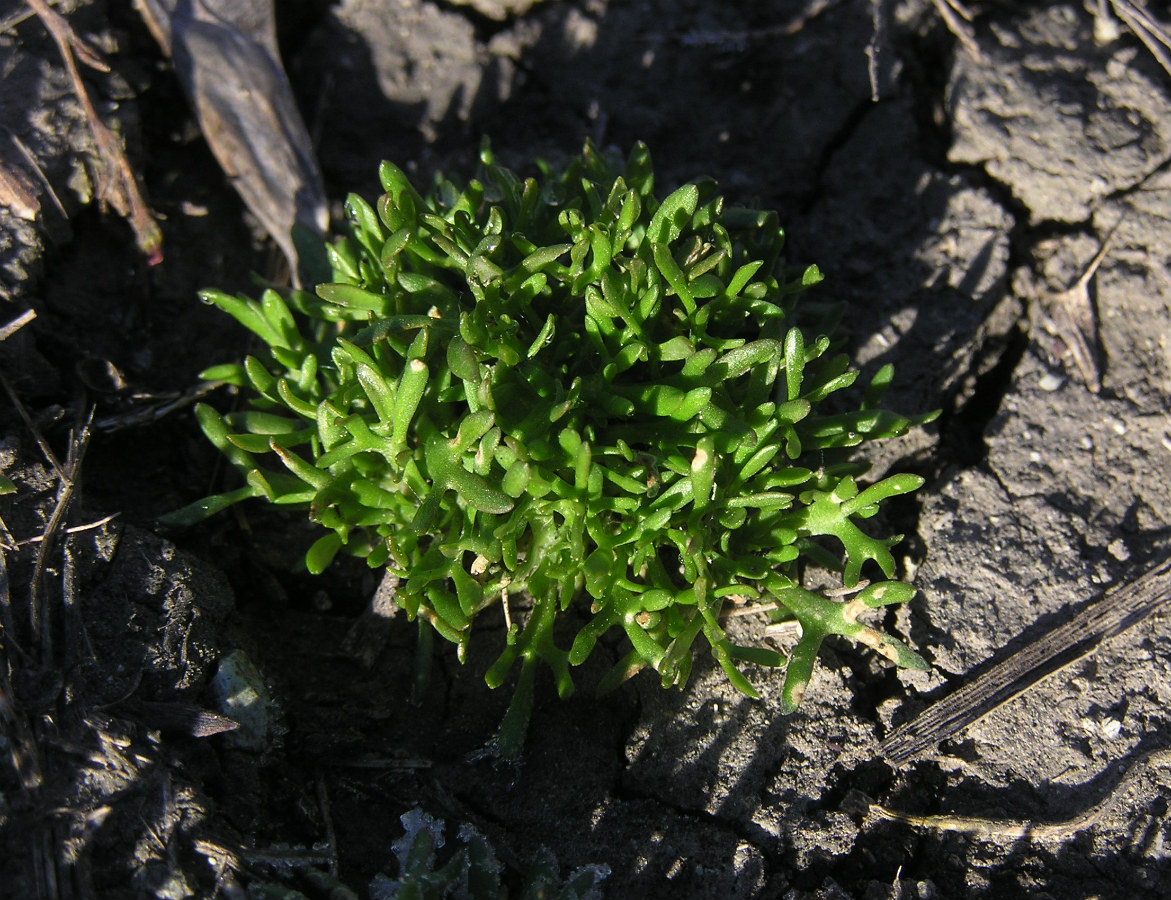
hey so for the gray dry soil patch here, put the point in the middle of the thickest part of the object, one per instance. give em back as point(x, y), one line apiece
point(946, 214)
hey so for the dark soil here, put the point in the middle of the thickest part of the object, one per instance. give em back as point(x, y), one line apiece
point(944, 211)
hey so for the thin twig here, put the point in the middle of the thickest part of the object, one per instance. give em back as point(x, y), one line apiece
point(1147, 29)
point(7, 542)
point(118, 185)
point(65, 490)
point(13, 19)
point(1012, 828)
point(1070, 316)
point(76, 529)
point(157, 408)
point(46, 450)
point(9, 329)
point(875, 46)
point(958, 20)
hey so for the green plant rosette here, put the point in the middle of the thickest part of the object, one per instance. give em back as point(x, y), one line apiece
point(563, 392)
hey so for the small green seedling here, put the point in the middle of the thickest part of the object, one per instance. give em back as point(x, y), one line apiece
point(563, 392)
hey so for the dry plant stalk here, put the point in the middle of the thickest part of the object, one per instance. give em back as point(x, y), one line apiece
point(117, 185)
point(1070, 317)
point(1147, 29)
point(1123, 607)
point(985, 828)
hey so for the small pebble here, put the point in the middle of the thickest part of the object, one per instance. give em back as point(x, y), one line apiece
point(1050, 382)
point(1119, 550)
point(1106, 30)
point(243, 697)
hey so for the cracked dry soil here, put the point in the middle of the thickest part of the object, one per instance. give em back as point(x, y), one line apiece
point(944, 214)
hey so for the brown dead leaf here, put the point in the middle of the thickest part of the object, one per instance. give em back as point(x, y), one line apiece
point(226, 57)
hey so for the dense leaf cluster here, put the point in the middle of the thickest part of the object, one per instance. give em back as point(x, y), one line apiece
point(562, 390)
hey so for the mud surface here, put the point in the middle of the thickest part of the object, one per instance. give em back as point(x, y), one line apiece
point(947, 213)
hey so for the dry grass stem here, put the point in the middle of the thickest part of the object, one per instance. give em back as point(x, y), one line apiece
point(986, 828)
point(1147, 29)
point(117, 185)
point(9, 329)
point(1070, 317)
point(1122, 607)
point(958, 20)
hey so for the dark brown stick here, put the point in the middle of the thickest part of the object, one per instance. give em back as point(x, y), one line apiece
point(1122, 607)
